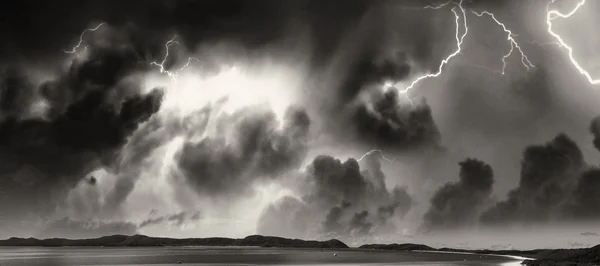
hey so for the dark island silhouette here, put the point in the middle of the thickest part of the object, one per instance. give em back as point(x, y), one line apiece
point(147, 241)
point(571, 257)
point(538, 257)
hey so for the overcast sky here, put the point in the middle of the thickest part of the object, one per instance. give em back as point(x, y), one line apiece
point(367, 121)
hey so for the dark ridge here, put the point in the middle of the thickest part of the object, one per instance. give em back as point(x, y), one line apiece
point(521, 253)
point(146, 241)
point(573, 257)
point(420, 247)
point(540, 257)
point(399, 247)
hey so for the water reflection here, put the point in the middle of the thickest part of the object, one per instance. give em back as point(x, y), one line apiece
point(167, 256)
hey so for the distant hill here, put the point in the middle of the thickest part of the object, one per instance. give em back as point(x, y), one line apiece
point(146, 241)
point(399, 247)
point(420, 247)
point(571, 257)
point(543, 257)
point(540, 257)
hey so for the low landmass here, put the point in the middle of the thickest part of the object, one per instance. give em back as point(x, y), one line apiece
point(398, 247)
point(420, 247)
point(539, 257)
point(146, 241)
point(563, 257)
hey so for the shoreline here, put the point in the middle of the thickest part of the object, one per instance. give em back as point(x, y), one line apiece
point(516, 258)
point(239, 256)
point(533, 257)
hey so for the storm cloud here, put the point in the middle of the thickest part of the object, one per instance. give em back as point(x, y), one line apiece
point(177, 219)
point(449, 204)
point(595, 130)
point(548, 175)
point(338, 200)
point(255, 146)
point(255, 111)
point(83, 118)
point(386, 122)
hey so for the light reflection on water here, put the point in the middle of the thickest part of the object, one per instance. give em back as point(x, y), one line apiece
point(202, 256)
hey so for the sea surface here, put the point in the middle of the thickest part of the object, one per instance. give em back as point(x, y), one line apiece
point(220, 256)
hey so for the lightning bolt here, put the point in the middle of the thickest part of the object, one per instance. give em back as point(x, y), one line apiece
point(374, 151)
point(161, 65)
point(513, 43)
point(459, 41)
point(554, 14)
point(439, 6)
point(81, 40)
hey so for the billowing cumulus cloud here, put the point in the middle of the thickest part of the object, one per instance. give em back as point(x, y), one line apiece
point(386, 122)
point(338, 200)
point(595, 130)
point(81, 121)
point(249, 145)
point(372, 107)
point(278, 95)
point(456, 205)
point(550, 188)
point(584, 198)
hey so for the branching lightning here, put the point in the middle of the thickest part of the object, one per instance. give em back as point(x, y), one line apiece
point(374, 151)
point(554, 14)
point(513, 43)
point(459, 41)
point(461, 32)
point(161, 65)
point(462, 15)
point(438, 6)
point(81, 40)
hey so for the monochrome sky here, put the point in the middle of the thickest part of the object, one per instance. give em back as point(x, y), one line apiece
point(301, 118)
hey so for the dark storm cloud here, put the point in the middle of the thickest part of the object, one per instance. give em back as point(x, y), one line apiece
point(370, 59)
point(589, 234)
point(338, 200)
point(332, 220)
point(177, 219)
point(372, 68)
point(336, 181)
point(17, 94)
point(152, 221)
point(87, 116)
point(75, 229)
point(401, 202)
point(449, 209)
point(92, 180)
point(250, 146)
point(359, 225)
point(92, 115)
point(548, 175)
point(595, 130)
point(45, 28)
point(387, 122)
point(585, 201)
point(141, 144)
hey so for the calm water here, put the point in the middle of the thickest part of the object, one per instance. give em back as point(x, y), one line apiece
point(168, 256)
